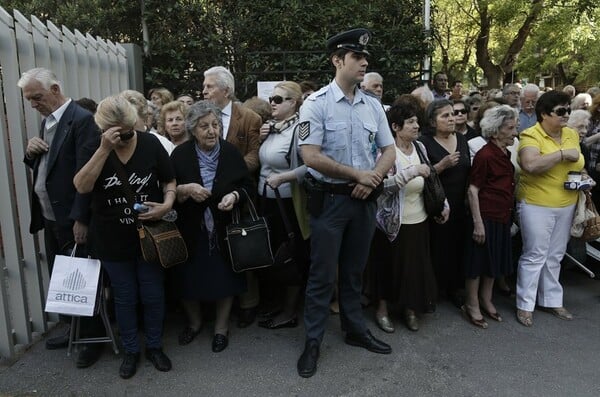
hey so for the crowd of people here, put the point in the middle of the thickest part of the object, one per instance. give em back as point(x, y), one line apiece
point(343, 171)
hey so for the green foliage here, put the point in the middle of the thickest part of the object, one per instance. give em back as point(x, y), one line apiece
point(257, 40)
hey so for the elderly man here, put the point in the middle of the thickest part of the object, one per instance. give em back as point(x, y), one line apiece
point(511, 94)
point(529, 96)
point(339, 129)
point(241, 128)
point(65, 144)
point(373, 84)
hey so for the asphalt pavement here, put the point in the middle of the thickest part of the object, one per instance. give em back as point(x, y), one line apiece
point(446, 357)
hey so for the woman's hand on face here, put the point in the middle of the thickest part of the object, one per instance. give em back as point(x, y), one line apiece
point(423, 170)
point(110, 138)
point(156, 211)
point(198, 192)
point(571, 155)
point(227, 202)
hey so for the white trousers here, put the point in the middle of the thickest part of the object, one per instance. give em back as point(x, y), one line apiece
point(545, 232)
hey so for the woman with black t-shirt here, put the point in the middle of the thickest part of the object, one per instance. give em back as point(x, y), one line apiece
point(113, 235)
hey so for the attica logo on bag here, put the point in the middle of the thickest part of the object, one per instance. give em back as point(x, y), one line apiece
point(74, 281)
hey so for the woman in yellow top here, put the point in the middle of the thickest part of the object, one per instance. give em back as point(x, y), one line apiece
point(547, 152)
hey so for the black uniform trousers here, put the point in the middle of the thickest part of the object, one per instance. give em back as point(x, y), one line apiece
point(340, 236)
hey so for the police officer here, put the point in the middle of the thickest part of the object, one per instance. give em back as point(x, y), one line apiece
point(340, 129)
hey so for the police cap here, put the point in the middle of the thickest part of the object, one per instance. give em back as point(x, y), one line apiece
point(354, 40)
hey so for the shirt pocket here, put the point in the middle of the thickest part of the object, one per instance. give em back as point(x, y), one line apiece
point(336, 135)
point(368, 136)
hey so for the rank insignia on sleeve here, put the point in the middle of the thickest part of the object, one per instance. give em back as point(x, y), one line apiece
point(303, 130)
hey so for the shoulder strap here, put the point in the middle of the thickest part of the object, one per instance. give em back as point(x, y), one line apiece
point(420, 153)
point(284, 217)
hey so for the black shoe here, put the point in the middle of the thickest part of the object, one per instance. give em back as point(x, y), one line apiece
point(89, 354)
point(307, 363)
point(59, 342)
point(369, 342)
point(457, 300)
point(271, 324)
point(219, 343)
point(159, 359)
point(129, 365)
point(187, 335)
point(246, 317)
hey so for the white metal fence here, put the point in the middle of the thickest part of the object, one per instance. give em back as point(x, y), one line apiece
point(88, 67)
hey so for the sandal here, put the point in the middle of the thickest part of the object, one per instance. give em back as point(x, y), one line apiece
point(525, 317)
point(481, 323)
point(494, 316)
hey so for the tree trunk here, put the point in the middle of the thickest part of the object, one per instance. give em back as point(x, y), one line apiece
point(494, 73)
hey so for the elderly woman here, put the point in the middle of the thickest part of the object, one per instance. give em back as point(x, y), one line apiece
point(171, 122)
point(211, 176)
point(126, 163)
point(579, 120)
point(581, 101)
point(547, 152)
point(592, 140)
point(400, 263)
point(282, 169)
point(160, 96)
point(449, 154)
point(491, 199)
point(141, 107)
point(186, 99)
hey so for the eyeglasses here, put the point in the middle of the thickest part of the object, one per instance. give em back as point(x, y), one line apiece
point(561, 111)
point(460, 111)
point(278, 99)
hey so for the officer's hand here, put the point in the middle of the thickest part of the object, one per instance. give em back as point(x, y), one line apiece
point(35, 147)
point(369, 178)
point(361, 191)
point(80, 232)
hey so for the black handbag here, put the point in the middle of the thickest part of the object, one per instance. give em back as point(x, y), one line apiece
point(284, 255)
point(433, 190)
point(160, 241)
point(248, 240)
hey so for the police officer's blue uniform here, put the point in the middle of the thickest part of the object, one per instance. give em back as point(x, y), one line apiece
point(342, 233)
point(347, 130)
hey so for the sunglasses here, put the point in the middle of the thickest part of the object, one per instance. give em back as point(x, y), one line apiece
point(475, 108)
point(278, 99)
point(460, 111)
point(561, 111)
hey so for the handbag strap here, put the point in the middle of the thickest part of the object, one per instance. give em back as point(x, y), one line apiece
point(235, 214)
point(282, 212)
point(421, 155)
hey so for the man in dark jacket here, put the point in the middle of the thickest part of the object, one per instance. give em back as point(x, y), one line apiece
point(55, 156)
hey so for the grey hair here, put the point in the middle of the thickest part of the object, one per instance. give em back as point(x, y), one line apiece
point(578, 116)
point(224, 79)
point(580, 99)
point(494, 118)
point(372, 76)
point(530, 88)
point(433, 108)
point(200, 110)
point(507, 88)
point(44, 76)
point(423, 93)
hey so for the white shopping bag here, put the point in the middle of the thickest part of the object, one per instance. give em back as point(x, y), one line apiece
point(73, 285)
